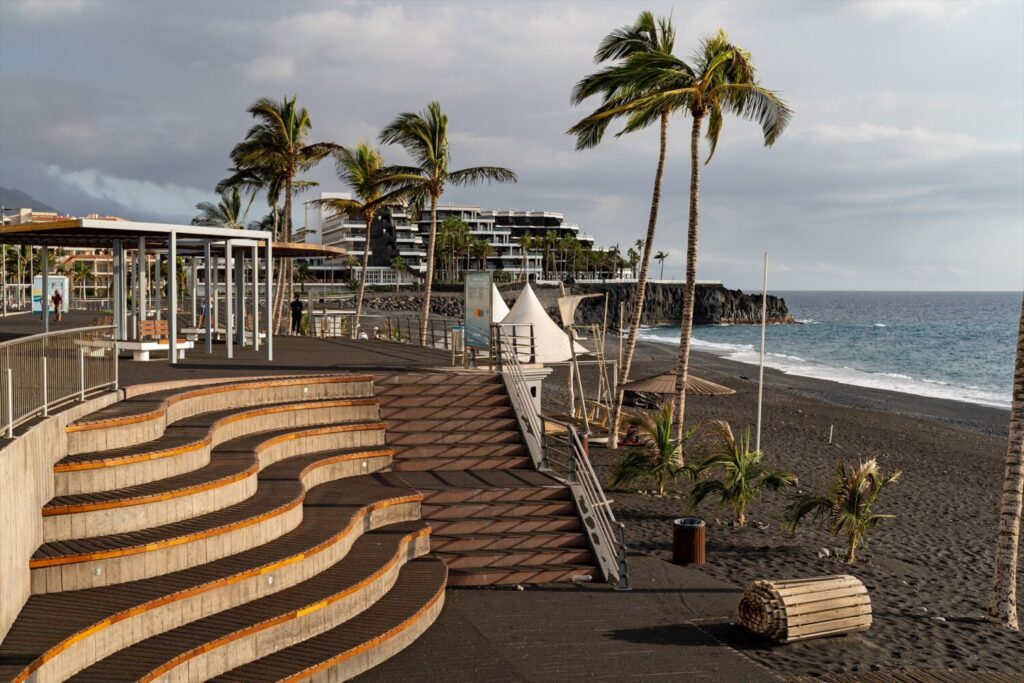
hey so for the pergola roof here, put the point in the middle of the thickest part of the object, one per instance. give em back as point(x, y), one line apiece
point(100, 234)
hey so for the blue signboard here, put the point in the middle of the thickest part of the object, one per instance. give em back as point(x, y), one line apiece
point(478, 310)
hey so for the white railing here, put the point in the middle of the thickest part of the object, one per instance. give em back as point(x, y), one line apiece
point(561, 454)
point(45, 371)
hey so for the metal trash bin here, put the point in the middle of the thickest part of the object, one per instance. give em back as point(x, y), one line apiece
point(688, 536)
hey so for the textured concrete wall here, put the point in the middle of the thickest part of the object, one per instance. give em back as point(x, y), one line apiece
point(26, 484)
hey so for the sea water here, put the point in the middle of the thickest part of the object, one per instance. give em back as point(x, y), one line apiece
point(953, 345)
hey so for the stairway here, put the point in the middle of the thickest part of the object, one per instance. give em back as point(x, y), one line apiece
point(495, 520)
point(217, 531)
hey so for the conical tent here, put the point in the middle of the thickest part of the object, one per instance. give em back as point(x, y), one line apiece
point(552, 343)
point(498, 307)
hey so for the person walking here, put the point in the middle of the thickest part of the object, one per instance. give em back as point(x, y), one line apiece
point(296, 307)
point(58, 304)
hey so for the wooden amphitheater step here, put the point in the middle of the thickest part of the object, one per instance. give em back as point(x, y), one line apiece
point(185, 445)
point(144, 417)
point(274, 509)
point(58, 634)
point(217, 643)
point(387, 627)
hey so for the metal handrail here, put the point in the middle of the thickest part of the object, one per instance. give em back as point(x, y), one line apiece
point(45, 371)
point(571, 466)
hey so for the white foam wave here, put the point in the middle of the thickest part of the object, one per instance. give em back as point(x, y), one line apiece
point(794, 365)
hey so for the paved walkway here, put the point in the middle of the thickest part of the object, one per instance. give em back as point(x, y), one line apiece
point(569, 633)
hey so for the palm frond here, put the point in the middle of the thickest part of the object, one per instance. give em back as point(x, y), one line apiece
point(479, 174)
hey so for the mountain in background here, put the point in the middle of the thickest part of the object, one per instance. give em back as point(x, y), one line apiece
point(11, 198)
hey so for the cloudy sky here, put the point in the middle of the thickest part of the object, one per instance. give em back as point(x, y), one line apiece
point(903, 167)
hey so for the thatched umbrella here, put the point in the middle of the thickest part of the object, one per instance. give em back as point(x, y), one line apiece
point(666, 384)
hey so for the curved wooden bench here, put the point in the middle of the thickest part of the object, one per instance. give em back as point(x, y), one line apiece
point(186, 445)
point(345, 651)
point(275, 509)
point(96, 622)
point(118, 426)
point(236, 636)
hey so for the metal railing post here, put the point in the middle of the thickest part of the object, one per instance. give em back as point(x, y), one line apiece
point(573, 477)
point(10, 404)
point(46, 401)
point(623, 584)
point(117, 368)
point(81, 374)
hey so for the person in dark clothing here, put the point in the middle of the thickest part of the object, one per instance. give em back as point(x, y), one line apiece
point(296, 307)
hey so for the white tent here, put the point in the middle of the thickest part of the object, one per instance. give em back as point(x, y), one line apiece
point(552, 343)
point(498, 307)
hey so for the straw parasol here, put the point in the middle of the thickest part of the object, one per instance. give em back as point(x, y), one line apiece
point(666, 384)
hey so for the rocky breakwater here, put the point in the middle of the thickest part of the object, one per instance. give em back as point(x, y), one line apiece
point(446, 305)
point(663, 305)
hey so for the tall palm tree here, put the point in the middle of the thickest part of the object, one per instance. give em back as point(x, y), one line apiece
point(82, 271)
point(277, 146)
point(398, 265)
point(527, 242)
point(424, 137)
point(661, 257)
point(1003, 606)
point(363, 170)
point(227, 213)
point(621, 85)
point(253, 180)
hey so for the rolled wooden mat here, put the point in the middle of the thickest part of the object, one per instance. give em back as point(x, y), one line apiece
point(800, 609)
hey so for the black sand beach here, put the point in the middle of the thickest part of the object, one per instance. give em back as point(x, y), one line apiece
point(928, 569)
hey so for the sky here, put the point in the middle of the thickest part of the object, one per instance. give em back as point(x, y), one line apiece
point(903, 167)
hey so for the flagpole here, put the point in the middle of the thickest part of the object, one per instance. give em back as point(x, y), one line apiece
point(760, 374)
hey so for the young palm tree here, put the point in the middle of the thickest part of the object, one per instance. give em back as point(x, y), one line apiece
point(661, 257)
point(744, 477)
point(659, 458)
point(1003, 606)
point(621, 85)
point(82, 271)
point(846, 507)
point(363, 170)
point(424, 137)
point(398, 265)
point(227, 213)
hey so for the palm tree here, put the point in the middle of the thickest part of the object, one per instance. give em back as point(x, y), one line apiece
point(304, 274)
point(276, 147)
point(1003, 606)
point(398, 265)
point(254, 180)
point(744, 477)
point(621, 85)
point(227, 213)
point(661, 257)
point(481, 250)
point(424, 137)
point(846, 506)
point(81, 272)
point(527, 242)
point(659, 458)
point(363, 170)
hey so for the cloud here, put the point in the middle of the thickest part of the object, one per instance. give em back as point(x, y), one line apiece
point(929, 9)
point(270, 68)
point(39, 10)
point(140, 195)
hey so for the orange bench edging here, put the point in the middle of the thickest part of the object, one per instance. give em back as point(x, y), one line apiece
point(212, 585)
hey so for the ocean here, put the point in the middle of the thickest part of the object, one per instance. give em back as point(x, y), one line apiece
point(952, 345)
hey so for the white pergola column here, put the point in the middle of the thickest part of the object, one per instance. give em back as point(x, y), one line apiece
point(158, 281)
point(172, 296)
point(117, 263)
point(240, 297)
point(269, 305)
point(209, 306)
point(3, 274)
point(255, 298)
point(194, 289)
point(228, 327)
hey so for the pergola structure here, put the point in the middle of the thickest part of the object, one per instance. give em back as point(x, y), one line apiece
point(131, 241)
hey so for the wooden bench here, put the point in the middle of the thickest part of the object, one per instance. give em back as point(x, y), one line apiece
point(153, 336)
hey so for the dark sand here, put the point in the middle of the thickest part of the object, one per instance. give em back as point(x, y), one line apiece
point(928, 570)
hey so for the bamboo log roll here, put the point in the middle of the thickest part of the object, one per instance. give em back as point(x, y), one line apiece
point(801, 609)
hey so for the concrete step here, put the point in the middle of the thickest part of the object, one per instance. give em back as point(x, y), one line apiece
point(499, 576)
point(482, 541)
point(228, 639)
point(528, 508)
point(460, 464)
point(537, 557)
point(443, 413)
point(58, 634)
point(273, 510)
point(387, 627)
point(499, 525)
point(230, 476)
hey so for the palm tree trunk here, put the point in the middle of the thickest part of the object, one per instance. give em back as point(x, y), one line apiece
point(641, 286)
point(1003, 607)
point(429, 280)
point(690, 290)
point(851, 551)
point(362, 276)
